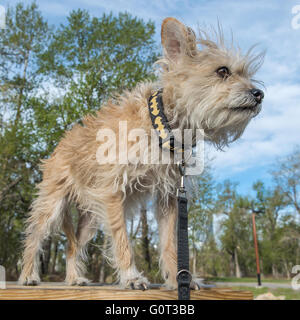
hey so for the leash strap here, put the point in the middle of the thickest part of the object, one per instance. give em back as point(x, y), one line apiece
point(183, 276)
point(167, 141)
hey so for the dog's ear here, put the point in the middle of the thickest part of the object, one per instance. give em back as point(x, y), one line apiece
point(177, 39)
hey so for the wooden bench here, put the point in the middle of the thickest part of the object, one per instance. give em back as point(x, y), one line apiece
point(60, 291)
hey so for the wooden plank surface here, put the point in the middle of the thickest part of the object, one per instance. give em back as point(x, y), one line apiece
point(60, 291)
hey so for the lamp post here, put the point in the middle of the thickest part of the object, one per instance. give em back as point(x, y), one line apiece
point(256, 249)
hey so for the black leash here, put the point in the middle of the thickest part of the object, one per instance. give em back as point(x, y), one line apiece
point(183, 276)
point(167, 141)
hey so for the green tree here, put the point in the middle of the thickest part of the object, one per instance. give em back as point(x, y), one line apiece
point(90, 59)
point(200, 213)
point(269, 204)
point(287, 177)
point(24, 39)
point(236, 228)
point(289, 244)
point(49, 79)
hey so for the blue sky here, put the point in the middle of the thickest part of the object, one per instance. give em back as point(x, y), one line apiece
point(275, 132)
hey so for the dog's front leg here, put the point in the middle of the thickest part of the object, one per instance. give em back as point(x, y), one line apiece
point(167, 219)
point(122, 252)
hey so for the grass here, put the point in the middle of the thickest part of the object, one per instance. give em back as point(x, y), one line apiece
point(254, 279)
point(289, 294)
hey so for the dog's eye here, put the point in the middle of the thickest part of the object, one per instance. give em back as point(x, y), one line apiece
point(223, 72)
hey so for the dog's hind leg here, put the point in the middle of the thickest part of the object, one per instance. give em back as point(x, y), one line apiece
point(76, 255)
point(122, 253)
point(46, 215)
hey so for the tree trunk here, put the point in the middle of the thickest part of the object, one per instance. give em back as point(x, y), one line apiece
point(20, 95)
point(297, 255)
point(8, 187)
point(261, 263)
point(194, 260)
point(145, 239)
point(287, 271)
point(102, 264)
point(274, 271)
point(54, 257)
point(231, 265)
point(131, 228)
point(46, 255)
point(237, 265)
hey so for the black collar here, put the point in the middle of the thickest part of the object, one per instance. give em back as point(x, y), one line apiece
point(160, 123)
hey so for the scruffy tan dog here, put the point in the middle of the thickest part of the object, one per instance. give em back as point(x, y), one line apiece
point(209, 88)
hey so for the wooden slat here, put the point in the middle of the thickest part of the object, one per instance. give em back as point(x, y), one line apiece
point(59, 291)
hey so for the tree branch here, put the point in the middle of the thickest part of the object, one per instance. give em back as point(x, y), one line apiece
point(10, 186)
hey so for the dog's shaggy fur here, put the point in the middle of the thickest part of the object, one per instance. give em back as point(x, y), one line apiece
point(195, 96)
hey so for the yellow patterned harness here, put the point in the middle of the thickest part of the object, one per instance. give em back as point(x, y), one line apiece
point(160, 123)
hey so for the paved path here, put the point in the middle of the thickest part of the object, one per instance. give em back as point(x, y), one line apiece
point(272, 285)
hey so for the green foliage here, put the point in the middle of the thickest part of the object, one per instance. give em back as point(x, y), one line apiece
point(286, 175)
point(49, 79)
point(25, 37)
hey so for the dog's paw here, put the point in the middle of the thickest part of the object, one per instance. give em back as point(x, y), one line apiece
point(195, 285)
point(80, 281)
point(174, 286)
point(30, 281)
point(171, 285)
point(140, 283)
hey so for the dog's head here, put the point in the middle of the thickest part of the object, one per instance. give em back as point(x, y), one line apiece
point(210, 88)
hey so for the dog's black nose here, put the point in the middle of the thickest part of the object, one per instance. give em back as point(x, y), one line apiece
point(257, 94)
